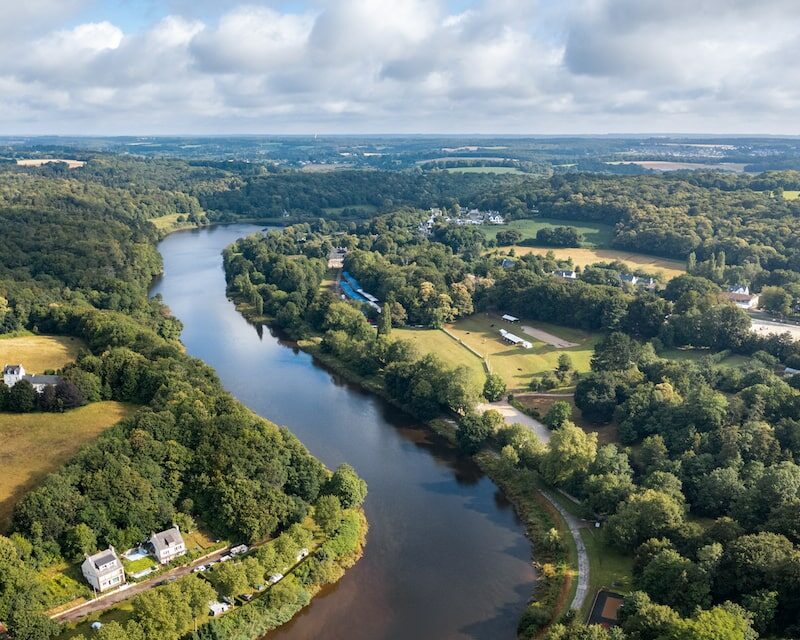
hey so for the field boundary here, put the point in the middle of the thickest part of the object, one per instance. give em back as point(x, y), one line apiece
point(484, 359)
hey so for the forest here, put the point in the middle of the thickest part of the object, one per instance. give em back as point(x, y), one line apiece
point(76, 258)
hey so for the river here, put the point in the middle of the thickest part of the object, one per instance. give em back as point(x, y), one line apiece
point(445, 557)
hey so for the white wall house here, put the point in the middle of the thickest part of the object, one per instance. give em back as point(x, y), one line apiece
point(13, 373)
point(104, 570)
point(168, 544)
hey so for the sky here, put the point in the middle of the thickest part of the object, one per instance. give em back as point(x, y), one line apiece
point(149, 67)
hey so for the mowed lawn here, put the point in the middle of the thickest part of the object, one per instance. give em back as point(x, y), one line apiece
point(594, 234)
point(37, 353)
point(584, 256)
point(35, 444)
point(518, 366)
point(448, 349)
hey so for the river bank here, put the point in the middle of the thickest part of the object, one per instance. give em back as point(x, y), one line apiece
point(447, 556)
point(552, 544)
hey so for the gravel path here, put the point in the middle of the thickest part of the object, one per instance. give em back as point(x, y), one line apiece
point(549, 338)
point(512, 415)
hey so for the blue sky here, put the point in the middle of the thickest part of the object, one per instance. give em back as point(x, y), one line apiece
point(399, 66)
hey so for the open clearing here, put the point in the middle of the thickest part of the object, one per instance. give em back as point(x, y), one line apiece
point(170, 222)
point(27, 436)
point(667, 165)
point(38, 353)
point(38, 162)
point(791, 195)
point(518, 366)
point(483, 170)
point(438, 342)
point(767, 327)
point(594, 234)
point(585, 256)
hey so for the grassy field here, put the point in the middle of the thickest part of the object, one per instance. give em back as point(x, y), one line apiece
point(27, 436)
point(37, 353)
point(170, 223)
point(608, 567)
point(693, 355)
point(362, 208)
point(438, 342)
point(515, 365)
point(584, 256)
point(791, 195)
point(483, 170)
point(594, 234)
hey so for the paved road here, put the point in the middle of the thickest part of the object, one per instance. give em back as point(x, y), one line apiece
point(131, 590)
point(512, 415)
point(575, 525)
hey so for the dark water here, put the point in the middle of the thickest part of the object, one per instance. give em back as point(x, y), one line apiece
point(445, 556)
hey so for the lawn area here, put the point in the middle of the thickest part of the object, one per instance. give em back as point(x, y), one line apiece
point(121, 613)
point(791, 195)
point(483, 170)
point(438, 342)
point(135, 566)
point(594, 234)
point(584, 256)
point(37, 353)
point(515, 365)
point(361, 208)
point(608, 567)
point(199, 540)
point(26, 437)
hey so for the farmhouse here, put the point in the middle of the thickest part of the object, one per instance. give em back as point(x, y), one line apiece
point(103, 570)
point(565, 274)
point(14, 373)
point(168, 544)
point(740, 296)
point(510, 338)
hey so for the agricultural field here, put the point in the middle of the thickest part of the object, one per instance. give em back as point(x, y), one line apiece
point(495, 170)
point(38, 162)
point(519, 366)
point(594, 234)
point(448, 349)
point(791, 195)
point(585, 256)
point(25, 436)
point(38, 353)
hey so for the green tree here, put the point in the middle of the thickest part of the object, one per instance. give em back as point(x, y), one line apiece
point(229, 579)
point(647, 514)
point(347, 486)
point(776, 300)
point(570, 452)
point(328, 513)
point(22, 397)
point(80, 540)
point(494, 387)
point(558, 414)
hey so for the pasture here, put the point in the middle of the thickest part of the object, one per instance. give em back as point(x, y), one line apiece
point(448, 349)
point(584, 256)
point(594, 234)
point(791, 195)
point(27, 436)
point(38, 353)
point(495, 170)
point(170, 222)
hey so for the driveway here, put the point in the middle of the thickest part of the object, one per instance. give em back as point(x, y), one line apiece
point(132, 589)
point(512, 415)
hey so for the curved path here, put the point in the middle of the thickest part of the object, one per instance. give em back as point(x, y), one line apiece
point(513, 415)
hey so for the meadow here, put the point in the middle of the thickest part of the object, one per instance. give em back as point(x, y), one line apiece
point(594, 234)
point(584, 256)
point(791, 195)
point(27, 436)
point(38, 353)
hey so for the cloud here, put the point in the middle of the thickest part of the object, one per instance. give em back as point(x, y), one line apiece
point(538, 66)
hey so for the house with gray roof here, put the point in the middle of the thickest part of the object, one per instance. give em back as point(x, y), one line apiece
point(168, 544)
point(14, 373)
point(103, 570)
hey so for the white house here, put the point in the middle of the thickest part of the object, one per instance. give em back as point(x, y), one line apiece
point(740, 296)
point(566, 274)
point(218, 608)
point(103, 570)
point(14, 373)
point(168, 544)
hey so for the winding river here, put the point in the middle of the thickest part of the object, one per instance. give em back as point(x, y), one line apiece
point(446, 556)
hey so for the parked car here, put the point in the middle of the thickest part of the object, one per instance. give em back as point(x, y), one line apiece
point(303, 553)
point(275, 577)
point(239, 549)
point(247, 597)
point(225, 558)
point(199, 568)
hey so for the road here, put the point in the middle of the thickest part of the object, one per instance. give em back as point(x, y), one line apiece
point(512, 415)
point(132, 589)
point(575, 525)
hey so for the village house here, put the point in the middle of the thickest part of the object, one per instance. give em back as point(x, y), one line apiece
point(740, 296)
point(565, 274)
point(103, 570)
point(168, 544)
point(14, 373)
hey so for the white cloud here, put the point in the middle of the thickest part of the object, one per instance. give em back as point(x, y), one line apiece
point(405, 65)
